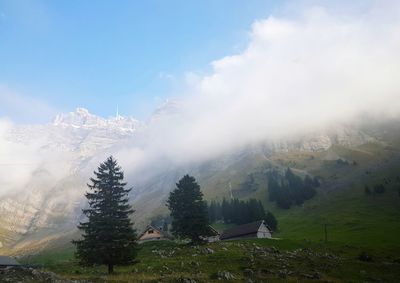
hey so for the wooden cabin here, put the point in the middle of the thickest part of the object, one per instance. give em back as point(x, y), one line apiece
point(6, 261)
point(153, 234)
point(256, 229)
point(214, 237)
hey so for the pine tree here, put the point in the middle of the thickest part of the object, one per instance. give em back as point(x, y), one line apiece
point(271, 221)
point(212, 212)
point(188, 211)
point(108, 235)
point(367, 190)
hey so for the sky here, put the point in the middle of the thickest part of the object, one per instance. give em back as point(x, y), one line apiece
point(58, 55)
point(240, 75)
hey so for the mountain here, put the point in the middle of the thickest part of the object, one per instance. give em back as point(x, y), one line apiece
point(56, 160)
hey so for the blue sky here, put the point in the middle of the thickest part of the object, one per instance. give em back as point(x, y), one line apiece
point(100, 54)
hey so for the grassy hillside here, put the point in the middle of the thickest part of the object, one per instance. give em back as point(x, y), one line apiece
point(356, 223)
point(353, 218)
point(259, 260)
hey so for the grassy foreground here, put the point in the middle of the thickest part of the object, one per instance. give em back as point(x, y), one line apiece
point(258, 260)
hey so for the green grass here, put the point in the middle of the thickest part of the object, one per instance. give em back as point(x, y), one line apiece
point(270, 260)
point(355, 223)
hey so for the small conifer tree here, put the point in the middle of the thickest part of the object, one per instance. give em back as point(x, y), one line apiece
point(189, 211)
point(108, 236)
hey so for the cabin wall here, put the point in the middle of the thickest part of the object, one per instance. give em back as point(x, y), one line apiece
point(248, 236)
point(156, 235)
point(263, 232)
point(212, 239)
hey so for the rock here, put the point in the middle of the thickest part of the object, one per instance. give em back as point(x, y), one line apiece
point(208, 251)
point(187, 280)
point(30, 275)
point(225, 275)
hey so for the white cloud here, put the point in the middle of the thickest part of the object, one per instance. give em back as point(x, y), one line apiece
point(24, 108)
point(298, 73)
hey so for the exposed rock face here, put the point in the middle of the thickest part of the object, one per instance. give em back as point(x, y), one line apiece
point(324, 139)
point(58, 161)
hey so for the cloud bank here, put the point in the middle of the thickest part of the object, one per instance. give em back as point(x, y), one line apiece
point(297, 74)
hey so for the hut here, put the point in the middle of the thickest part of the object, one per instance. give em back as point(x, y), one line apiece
point(153, 234)
point(256, 229)
point(213, 237)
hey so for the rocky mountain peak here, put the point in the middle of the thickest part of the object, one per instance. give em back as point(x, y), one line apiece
point(82, 118)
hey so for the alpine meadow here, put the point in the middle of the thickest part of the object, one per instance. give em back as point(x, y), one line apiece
point(199, 141)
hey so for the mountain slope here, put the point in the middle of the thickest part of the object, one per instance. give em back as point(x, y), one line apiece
point(48, 205)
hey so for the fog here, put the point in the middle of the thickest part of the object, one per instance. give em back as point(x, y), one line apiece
point(299, 73)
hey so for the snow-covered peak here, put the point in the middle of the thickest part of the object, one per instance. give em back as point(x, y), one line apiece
point(82, 118)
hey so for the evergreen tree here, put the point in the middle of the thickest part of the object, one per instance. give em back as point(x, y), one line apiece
point(379, 189)
point(367, 190)
point(108, 236)
point(273, 186)
point(226, 211)
point(165, 226)
point(218, 211)
point(212, 212)
point(188, 211)
point(271, 221)
point(290, 189)
point(316, 182)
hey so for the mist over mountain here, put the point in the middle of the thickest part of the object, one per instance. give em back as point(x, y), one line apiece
point(303, 84)
point(42, 191)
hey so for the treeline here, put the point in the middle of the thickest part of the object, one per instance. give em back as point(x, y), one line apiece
point(376, 190)
point(290, 189)
point(240, 212)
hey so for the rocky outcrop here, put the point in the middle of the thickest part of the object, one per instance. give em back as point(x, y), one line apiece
point(30, 275)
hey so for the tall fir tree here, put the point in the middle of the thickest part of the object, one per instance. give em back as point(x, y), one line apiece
point(188, 211)
point(108, 236)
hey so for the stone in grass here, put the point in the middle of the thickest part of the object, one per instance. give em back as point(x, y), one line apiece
point(186, 280)
point(315, 275)
point(225, 275)
point(208, 251)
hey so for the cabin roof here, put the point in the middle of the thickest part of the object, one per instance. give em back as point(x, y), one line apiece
point(9, 261)
point(153, 228)
point(242, 230)
point(148, 228)
point(213, 231)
